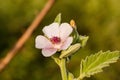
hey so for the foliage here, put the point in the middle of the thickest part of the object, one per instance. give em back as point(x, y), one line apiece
point(94, 63)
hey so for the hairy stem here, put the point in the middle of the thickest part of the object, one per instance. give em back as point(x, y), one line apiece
point(63, 69)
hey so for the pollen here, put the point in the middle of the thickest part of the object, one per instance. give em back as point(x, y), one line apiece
point(55, 40)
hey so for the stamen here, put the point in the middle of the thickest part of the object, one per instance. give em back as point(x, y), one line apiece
point(55, 40)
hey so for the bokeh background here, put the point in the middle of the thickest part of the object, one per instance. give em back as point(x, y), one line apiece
point(98, 19)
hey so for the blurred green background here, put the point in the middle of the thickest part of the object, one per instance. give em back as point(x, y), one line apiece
point(98, 19)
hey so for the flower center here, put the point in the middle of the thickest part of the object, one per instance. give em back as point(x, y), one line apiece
point(55, 40)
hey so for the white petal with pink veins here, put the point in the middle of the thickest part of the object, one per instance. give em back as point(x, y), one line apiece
point(42, 42)
point(47, 52)
point(65, 30)
point(67, 43)
point(52, 30)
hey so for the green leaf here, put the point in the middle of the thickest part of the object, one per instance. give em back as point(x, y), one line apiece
point(83, 40)
point(58, 18)
point(94, 63)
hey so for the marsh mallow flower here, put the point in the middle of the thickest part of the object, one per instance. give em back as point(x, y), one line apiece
point(56, 38)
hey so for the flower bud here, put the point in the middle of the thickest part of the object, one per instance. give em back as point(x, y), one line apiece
point(75, 33)
point(72, 49)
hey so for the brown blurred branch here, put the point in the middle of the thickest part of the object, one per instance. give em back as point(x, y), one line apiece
point(26, 35)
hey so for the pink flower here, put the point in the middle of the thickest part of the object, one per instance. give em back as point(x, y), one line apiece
point(56, 38)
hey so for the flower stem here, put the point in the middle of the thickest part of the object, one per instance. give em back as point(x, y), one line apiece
point(63, 69)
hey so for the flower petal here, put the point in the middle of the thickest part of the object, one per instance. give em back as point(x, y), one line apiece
point(42, 42)
point(51, 30)
point(65, 30)
point(47, 52)
point(67, 43)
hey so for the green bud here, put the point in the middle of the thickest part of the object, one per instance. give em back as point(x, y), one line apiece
point(76, 37)
point(75, 33)
point(71, 50)
point(58, 18)
point(83, 40)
